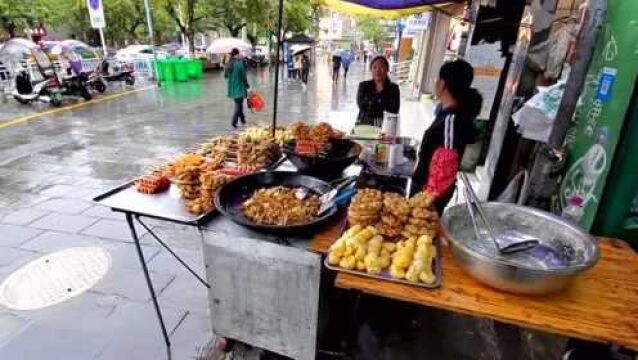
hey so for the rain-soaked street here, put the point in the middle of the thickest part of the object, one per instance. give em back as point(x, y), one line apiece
point(52, 165)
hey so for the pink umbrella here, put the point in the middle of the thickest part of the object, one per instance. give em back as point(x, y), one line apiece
point(225, 45)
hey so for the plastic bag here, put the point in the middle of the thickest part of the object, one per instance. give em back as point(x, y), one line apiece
point(444, 164)
point(256, 101)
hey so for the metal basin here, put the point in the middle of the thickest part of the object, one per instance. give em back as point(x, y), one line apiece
point(564, 250)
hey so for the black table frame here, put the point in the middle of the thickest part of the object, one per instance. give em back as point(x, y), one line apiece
point(131, 217)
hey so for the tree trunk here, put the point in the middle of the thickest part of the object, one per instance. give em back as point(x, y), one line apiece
point(11, 29)
point(190, 35)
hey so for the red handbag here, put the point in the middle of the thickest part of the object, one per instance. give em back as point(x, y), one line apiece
point(444, 164)
point(256, 101)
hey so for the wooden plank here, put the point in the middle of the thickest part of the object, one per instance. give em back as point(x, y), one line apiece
point(600, 305)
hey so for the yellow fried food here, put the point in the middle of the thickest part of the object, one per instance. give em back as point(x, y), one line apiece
point(333, 259)
point(348, 262)
point(396, 272)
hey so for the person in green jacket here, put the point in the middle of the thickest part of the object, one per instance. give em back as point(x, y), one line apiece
point(238, 86)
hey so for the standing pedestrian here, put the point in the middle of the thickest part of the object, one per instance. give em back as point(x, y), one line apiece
point(305, 70)
point(298, 66)
point(346, 60)
point(238, 86)
point(336, 65)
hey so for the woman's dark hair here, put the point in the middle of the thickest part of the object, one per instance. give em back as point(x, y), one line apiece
point(234, 52)
point(458, 76)
point(382, 59)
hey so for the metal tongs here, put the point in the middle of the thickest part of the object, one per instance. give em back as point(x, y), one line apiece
point(513, 244)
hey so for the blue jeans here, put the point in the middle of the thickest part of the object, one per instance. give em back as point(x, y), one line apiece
point(239, 112)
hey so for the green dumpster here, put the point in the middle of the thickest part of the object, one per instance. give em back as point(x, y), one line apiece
point(168, 67)
point(195, 69)
point(181, 70)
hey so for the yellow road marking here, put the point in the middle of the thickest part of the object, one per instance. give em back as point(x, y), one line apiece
point(71, 107)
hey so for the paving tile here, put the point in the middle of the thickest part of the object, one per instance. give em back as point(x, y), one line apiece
point(193, 333)
point(14, 235)
point(11, 326)
point(13, 258)
point(124, 255)
point(51, 241)
point(131, 284)
point(113, 229)
point(134, 332)
point(176, 236)
point(63, 222)
point(104, 212)
point(67, 206)
point(185, 292)
point(58, 190)
point(23, 216)
point(164, 262)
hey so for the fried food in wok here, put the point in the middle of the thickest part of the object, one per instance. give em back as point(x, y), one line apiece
point(280, 206)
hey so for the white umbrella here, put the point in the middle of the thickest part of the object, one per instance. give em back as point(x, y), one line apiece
point(226, 45)
point(296, 49)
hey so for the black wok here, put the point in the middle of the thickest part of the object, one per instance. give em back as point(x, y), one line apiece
point(340, 154)
point(230, 197)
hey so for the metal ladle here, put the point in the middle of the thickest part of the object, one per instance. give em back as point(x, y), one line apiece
point(513, 246)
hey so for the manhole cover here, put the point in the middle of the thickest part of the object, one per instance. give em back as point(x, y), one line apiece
point(54, 278)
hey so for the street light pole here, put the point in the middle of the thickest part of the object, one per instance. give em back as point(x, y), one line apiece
point(149, 22)
point(279, 36)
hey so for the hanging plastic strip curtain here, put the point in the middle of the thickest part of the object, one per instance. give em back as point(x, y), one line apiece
point(389, 9)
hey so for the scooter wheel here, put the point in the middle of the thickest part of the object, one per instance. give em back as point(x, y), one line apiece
point(22, 101)
point(86, 95)
point(129, 80)
point(100, 87)
point(56, 102)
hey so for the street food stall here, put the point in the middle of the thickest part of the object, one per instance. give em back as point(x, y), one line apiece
point(272, 227)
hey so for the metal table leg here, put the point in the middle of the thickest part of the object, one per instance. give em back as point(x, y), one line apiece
point(172, 252)
point(149, 282)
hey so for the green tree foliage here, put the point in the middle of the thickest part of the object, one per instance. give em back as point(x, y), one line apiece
point(371, 30)
point(17, 15)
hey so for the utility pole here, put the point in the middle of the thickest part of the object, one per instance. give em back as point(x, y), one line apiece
point(149, 22)
point(279, 36)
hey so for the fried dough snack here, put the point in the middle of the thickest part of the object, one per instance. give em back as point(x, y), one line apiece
point(280, 206)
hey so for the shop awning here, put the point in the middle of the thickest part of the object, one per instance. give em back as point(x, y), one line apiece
point(389, 9)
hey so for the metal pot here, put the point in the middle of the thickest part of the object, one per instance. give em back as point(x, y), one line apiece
point(564, 250)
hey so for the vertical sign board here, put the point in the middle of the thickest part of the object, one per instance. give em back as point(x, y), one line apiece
point(96, 13)
point(595, 128)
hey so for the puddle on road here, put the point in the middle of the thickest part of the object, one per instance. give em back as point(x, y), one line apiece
point(54, 278)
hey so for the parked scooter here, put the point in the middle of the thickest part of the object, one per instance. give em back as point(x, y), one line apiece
point(95, 81)
point(123, 72)
point(26, 92)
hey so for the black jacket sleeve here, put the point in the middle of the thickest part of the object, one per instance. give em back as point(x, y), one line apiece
point(394, 99)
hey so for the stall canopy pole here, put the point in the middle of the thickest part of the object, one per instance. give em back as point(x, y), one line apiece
point(279, 36)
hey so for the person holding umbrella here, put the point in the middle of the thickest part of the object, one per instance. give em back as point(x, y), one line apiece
point(235, 72)
point(346, 59)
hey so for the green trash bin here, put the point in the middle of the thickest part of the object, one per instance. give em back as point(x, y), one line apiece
point(168, 73)
point(181, 70)
point(192, 69)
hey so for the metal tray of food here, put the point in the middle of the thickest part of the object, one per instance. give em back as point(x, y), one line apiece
point(392, 184)
point(385, 274)
point(167, 205)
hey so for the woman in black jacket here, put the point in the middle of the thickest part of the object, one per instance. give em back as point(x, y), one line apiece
point(457, 98)
point(377, 95)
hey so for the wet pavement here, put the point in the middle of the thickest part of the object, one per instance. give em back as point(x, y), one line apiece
point(51, 166)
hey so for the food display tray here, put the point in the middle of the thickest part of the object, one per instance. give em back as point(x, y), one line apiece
point(385, 183)
point(385, 274)
point(167, 205)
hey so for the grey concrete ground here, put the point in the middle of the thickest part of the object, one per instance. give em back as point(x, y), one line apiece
point(51, 167)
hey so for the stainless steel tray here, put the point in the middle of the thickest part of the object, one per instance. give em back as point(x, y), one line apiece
point(385, 274)
point(167, 205)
